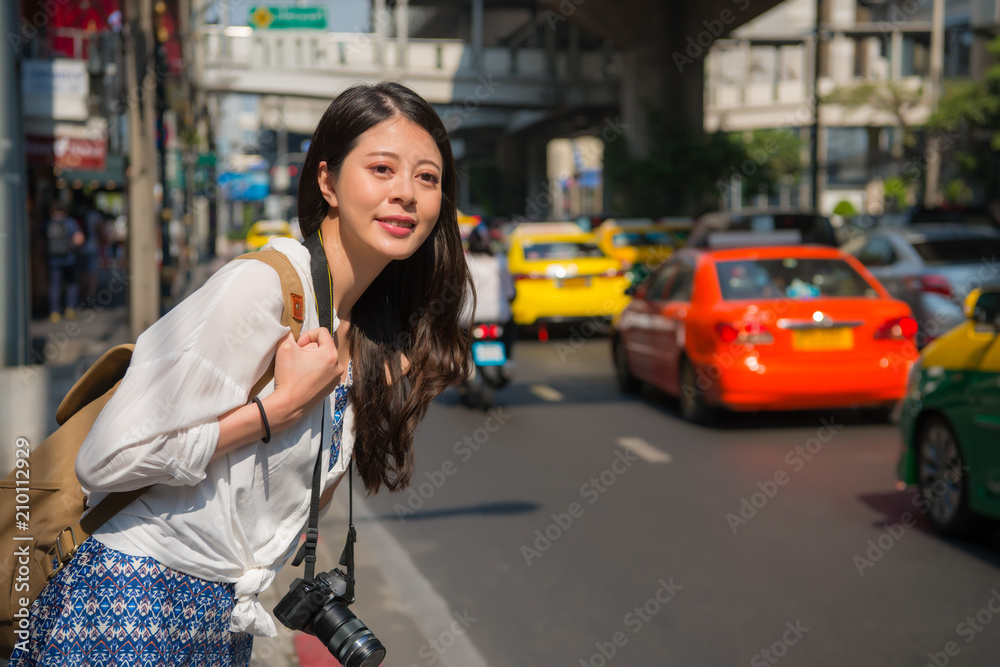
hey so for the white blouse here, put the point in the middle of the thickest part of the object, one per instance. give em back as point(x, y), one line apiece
point(239, 518)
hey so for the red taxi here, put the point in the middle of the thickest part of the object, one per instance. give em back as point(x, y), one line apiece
point(765, 328)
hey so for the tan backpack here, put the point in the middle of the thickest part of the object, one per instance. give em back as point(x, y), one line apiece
point(41, 502)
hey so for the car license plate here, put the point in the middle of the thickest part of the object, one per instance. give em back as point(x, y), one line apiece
point(574, 282)
point(823, 339)
point(489, 353)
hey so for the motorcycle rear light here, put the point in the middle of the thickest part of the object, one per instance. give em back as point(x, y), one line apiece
point(899, 328)
point(487, 331)
point(931, 282)
point(745, 333)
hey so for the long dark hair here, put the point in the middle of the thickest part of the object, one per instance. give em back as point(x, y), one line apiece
point(411, 308)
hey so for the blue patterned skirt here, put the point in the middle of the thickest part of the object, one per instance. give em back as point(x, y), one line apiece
point(109, 608)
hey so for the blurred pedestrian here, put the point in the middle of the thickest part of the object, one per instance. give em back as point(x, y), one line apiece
point(88, 253)
point(62, 237)
point(173, 579)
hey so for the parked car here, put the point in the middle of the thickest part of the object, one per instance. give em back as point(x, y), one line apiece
point(560, 274)
point(263, 231)
point(678, 227)
point(639, 244)
point(814, 228)
point(932, 268)
point(765, 328)
point(950, 419)
point(965, 216)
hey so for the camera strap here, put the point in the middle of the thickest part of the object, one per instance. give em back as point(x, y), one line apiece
point(323, 288)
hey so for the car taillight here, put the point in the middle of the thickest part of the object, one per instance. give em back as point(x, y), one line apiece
point(614, 273)
point(899, 328)
point(487, 331)
point(533, 275)
point(745, 333)
point(930, 282)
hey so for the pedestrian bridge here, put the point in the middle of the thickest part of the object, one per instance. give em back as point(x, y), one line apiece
point(497, 82)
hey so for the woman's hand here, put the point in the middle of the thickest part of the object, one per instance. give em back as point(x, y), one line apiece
point(305, 372)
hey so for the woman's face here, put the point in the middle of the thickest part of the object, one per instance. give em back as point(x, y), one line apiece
point(388, 190)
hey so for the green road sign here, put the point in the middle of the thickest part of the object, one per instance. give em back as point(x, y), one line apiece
point(288, 18)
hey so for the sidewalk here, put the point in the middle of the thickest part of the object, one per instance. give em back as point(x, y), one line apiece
point(69, 347)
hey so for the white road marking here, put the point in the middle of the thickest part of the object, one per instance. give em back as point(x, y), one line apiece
point(547, 393)
point(644, 450)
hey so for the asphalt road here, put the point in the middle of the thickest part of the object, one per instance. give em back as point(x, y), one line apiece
point(765, 539)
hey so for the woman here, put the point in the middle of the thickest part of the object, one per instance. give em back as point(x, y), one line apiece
point(173, 579)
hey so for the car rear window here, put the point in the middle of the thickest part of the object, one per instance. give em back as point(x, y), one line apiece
point(790, 278)
point(957, 251)
point(560, 250)
point(638, 239)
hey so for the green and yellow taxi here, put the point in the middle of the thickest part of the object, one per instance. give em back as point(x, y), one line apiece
point(560, 274)
point(951, 421)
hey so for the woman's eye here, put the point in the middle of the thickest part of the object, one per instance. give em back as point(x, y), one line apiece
point(381, 169)
point(430, 178)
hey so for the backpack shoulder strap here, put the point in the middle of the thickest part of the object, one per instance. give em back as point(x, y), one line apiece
point(293, 312)
point(96, 381)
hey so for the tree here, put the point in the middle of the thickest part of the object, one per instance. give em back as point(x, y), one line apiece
point(891, 97)
point(970, 110)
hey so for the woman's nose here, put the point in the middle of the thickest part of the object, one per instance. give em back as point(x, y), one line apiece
point(403, 190)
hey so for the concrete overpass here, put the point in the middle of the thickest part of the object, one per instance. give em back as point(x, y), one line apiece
point(506, 75)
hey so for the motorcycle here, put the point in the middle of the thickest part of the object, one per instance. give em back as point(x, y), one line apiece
point(491, 368)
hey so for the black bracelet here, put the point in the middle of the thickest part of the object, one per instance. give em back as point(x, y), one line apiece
point(267, 427)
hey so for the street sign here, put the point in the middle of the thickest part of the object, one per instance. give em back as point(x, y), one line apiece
point(288, 18)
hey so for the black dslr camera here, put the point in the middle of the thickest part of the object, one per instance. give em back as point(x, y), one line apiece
point(319, 606)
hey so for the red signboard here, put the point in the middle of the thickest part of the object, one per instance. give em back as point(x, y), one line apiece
point(72, 153)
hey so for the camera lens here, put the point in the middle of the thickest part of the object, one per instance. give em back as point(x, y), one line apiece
point(346, 637)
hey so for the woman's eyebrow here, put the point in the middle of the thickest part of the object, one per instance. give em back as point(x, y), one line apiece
point(396, 157)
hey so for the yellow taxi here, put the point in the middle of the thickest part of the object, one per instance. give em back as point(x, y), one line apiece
point(639, 244)
point(263, 231)
point(561, 275)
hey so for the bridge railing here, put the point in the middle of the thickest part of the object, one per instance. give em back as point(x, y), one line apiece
point(305, 50)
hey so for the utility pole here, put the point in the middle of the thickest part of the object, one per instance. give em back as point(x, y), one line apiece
point(14, 309)
point(814, 138)
point(144, 287)
point(934, 90)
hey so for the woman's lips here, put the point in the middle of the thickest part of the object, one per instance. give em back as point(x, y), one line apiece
point(397, 226)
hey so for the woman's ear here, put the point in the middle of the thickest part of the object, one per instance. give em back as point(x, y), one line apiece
point(325, 179)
